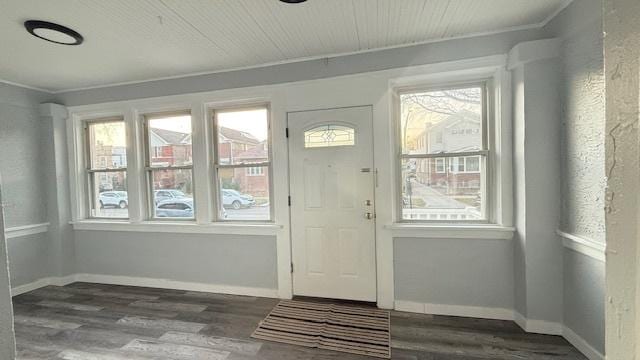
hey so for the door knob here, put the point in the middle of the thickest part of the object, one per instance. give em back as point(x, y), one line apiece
point(368, 216)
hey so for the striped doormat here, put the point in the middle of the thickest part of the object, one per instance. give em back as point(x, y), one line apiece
point(357, 330)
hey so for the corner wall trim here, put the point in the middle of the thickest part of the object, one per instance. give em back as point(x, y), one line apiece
point(57, 281)
point(537, 326)
point(583, 245)
point(581, 344)
point(19, 231)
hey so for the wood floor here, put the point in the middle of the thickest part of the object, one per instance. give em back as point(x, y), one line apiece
point(85, 321)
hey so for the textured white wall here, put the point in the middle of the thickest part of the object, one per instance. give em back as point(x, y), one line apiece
point(622, 54)
point(579, 27)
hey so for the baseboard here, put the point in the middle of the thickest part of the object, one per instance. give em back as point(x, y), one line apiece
point(146, 282)
point(455, 310)
point(581, 344)
point(537, 326)
point(58, 281)
point(177, 285)
point(528, 325)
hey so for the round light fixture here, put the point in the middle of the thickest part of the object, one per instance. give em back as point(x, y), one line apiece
point(53, 32)
point(293, 1)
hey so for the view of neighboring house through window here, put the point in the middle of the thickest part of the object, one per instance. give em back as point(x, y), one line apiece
point(169, 165)
point(443, 155)
point(106, 163)
point(243, 164)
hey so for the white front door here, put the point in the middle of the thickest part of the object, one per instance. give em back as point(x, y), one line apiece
point(332, 183)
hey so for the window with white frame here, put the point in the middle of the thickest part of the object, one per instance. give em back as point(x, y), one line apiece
point(243, 164)
point(440, 165)
point(169, 165)
point(106, 163)
point(443, 129)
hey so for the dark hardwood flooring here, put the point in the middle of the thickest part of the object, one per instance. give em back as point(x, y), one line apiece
point(85, 321)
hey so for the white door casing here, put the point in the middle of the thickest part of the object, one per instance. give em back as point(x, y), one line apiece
point(332, 207)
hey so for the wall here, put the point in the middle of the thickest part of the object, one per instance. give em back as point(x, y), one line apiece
point(583, 163)
point(226, 260)
point(7, 335)
point(538, 253)
point(25, 184)
point(622, 70)
point(458, 272)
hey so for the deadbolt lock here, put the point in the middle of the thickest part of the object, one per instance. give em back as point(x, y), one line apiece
point(367, 203)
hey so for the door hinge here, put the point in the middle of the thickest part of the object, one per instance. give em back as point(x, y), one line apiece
point(292, 268)
point(289, 200)
point(286, 132)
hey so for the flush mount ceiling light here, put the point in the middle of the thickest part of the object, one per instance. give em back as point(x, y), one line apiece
point(53, 32)
point(293, 1)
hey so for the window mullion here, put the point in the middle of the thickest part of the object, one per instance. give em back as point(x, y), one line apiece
point(201, 170)
point(135, 162)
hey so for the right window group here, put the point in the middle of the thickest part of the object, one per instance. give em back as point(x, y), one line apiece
point(443, 157)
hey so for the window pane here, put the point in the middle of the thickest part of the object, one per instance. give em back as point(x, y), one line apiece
point(170, 140)
point(429, 194)
point(243, 136)
point(329, 135)
point(108, 145)
point(173, 193)
point(244, 193)
point(441, 121)
point(110, 194)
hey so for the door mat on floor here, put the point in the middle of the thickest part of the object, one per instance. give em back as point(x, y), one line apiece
point(352, 329)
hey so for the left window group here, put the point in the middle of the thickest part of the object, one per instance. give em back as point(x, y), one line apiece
point(107, 168)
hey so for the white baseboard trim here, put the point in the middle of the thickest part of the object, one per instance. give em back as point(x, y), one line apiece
point(58, 281)
point(146, 282)
point(537, 326)
point(177, 285)
point(528, 325)
point(581, 344)
point(454, 310)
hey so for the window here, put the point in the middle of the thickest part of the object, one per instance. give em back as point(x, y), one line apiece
point(255, 171)
point(455, 121)
point(169, 164)
point(243, 164)
point(329, 135)
point(106, 163)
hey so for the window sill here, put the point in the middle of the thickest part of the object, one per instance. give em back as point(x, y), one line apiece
point(178, 228)
point(448, 231)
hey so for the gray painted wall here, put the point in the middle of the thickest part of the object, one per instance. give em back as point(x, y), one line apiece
point(234, 260)
point(538, 264)
point(7, 335)
point(464, 272)
point(583, 312)
point(22, 164)
point(583, 167)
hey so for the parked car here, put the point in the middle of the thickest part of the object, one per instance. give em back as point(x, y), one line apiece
point(236, 200)
point(114, 198)
point(167, 194)
point(176, 208)
point(180, 208)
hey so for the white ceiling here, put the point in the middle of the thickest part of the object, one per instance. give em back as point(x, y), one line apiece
point(137, 40)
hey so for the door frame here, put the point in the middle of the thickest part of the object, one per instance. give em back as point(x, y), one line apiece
point(375, 186)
